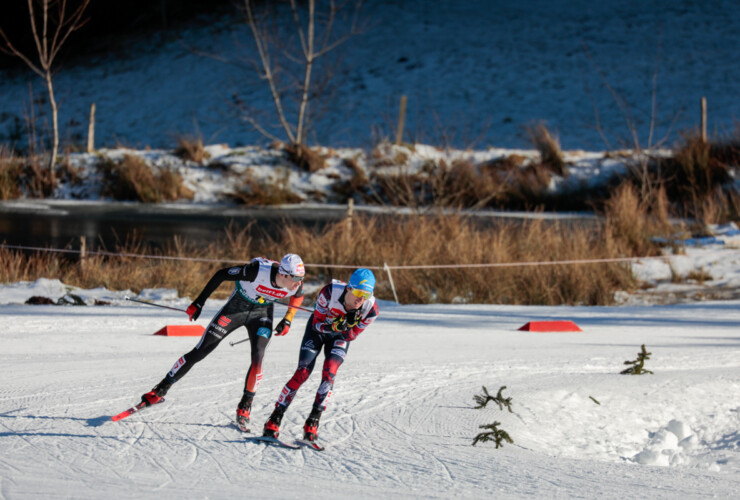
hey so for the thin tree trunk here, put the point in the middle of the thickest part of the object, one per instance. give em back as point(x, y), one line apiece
point(309, 67)
point(54, 124)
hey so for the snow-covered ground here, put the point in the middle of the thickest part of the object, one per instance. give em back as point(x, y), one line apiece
point(475, 73)
point(401, 421)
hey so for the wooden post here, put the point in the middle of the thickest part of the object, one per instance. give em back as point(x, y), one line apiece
point(350, 212)
point(704, 119)
point(91, 130)
point(83, 252)
point(401, 120)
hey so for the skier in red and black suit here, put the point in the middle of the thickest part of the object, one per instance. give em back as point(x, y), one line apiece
point(343, 311)
point(258, 285)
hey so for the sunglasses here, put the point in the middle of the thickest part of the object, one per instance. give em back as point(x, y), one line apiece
point(296, 279)
point(360, 294)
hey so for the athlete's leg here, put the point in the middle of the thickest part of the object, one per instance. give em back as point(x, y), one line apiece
point(230, 317)
point(334, 353)
point(310, 347)
point(260, 333)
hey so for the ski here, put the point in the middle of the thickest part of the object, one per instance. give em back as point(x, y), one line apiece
point(310, 444)
point(271, 441)
point(132, 410)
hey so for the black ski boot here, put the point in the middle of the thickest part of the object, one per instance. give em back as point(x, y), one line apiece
point(311, 427)
point(272, 426)
point(156, 395)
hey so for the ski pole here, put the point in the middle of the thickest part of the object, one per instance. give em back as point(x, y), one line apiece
point(295, 307)
point(232, 344)
point(155, 305)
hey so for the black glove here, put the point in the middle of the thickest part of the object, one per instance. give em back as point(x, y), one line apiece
point(340, 324)
point(282, 327)
point(353, 317)
point(193, 311)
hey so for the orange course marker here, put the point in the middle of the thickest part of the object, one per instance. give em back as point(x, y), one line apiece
point(181, 331)
point(550, 326)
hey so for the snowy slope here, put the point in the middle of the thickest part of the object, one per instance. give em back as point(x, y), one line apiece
point(400, 423)
point(475, 73)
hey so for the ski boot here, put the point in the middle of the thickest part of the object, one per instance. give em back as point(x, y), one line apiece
point(242, 415)
point(311, 427)
point(272, 426)
point(156, 395)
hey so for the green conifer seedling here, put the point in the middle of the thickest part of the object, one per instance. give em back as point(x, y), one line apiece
point(637, 368)
point(493, 434)
point(484, 398)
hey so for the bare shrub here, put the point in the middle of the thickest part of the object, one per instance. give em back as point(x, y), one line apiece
point(192, 149)
point(305, 158)
point(255, 192)
point(133, 179)
point(385, 154)
point(627, 222)
point(10, 174)
point(697, 179)
point(36, 180)
point(549, 148)
point(357, 184)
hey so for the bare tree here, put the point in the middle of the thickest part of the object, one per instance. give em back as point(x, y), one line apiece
point(316, 38)
point(49, 36)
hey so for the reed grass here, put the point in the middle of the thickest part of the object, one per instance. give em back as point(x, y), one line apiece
point(372, 241)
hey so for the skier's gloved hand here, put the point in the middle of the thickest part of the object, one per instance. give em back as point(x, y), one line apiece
point(340, 324)
point(353, 317)
point(193, 311)
point(282, 327)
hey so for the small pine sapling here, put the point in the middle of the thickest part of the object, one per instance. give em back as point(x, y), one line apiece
point(638, 364)
point(484, 398)
point(493, 434)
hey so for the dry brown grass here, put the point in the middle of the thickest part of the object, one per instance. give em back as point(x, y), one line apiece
point(632, 221)
point(132, 179)
point(697, 179)
point(10, 174)
point(445, 240)
point(255, 192)
point(548, 146)
point(373, 241)
point(192, 149)
point(504, 183)
point(305, 158)
point(357, 184)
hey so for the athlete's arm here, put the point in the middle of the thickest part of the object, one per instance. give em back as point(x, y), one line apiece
point(245, 273)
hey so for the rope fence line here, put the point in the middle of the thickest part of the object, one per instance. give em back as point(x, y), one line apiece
point(385, 267)
point(345, 266)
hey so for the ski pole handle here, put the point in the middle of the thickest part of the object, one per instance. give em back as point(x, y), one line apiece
point(155, 305)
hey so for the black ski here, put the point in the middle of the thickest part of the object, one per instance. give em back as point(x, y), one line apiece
point(271, 441)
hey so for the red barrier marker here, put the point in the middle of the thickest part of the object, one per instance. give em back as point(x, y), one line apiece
point(550, 326)
point(181, 331)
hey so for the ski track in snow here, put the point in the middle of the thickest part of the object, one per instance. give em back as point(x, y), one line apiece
point(400, 423)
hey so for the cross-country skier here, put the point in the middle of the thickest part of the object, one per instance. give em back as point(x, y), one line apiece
point(258, 285)
point(343, 311)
